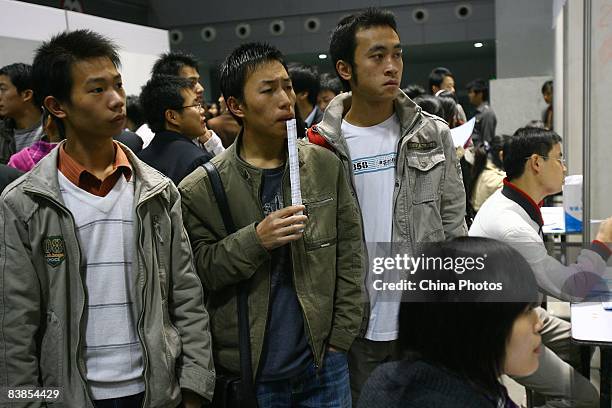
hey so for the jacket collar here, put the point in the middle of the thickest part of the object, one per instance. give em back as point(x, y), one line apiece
point(405, 108)
point(520, 197)
point(42, 179)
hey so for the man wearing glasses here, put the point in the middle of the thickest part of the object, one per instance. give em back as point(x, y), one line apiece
point(173, 111)
point(535, 169)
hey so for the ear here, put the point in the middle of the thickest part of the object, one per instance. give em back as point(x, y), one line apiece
point(344, 69)
point(535, 162)
point(54, 107)
point(172, 117)
point(236, 107)
point(27, 95)
point(302, 95)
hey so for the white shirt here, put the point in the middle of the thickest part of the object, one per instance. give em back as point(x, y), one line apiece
point(373, 152)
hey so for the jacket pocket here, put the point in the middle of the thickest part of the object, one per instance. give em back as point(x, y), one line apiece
point(320, 230)
point(173, 346)
point(51, 352)
point(425, 173)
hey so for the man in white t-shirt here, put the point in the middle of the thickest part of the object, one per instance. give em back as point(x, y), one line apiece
point(400, 160)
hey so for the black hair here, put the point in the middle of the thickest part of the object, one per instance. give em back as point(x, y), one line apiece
point(535, 124)
point(51, 70)
point(305, 78)
point(547, 87)
point(466, 332)
point(241, 63)
point(437, 75)
point(330, 82)
point(524, 143)
point(414, 90)
point(489, 151)
point(479, 85)
point(448, 102)
point(162, 92)
point(134, 110)
point(430, 104)
point(20, 75)
point(343, 43)
point(171, 63)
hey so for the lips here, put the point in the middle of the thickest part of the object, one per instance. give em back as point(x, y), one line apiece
point(118, 118)
point(285, 118)
point(392, 83)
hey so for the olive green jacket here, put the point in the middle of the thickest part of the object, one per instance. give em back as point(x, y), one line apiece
point(327, 260)
point(44, 298)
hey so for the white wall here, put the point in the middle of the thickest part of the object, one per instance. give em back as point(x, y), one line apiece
point(19, 38)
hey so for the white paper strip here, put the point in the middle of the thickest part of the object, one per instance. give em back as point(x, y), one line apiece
point(294, 165)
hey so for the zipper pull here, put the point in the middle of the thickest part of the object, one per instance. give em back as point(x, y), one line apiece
point(157, 229)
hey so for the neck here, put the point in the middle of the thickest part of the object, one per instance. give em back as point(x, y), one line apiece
point(262, 151)
point(365, 113)
point(28, 118)
point(530, 187)
point(97, 156)
point(305, 108)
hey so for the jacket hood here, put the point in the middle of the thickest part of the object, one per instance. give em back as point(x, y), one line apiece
point(405, 108)
point(43, 177)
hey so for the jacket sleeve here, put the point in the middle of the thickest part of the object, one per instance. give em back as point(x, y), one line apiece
point(20, 307)
point(348, 309)
point(195, 370)
point(452, 206)
point(488, 125)
point(220, 260)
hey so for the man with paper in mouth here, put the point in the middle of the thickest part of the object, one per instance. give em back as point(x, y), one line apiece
point(304, 271)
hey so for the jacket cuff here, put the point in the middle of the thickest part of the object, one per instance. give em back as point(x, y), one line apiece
point(202, 382)
point(602, 249)
point(341, 340)
point(254, 249)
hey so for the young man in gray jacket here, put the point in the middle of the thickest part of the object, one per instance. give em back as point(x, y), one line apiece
point(400, 160)
point(99, 293)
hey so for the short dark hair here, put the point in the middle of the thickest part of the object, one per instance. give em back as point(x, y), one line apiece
point(479, 85)
point(521, 146)
point(466, 332)
point(449, 105)
point(305, 78)
point(547, 87)
point(330, 82)
point(20, 75)
point(437, 75)
point(241, 63)
point(53, 61)
point(343, 43)
point(171, 63)
point(134, 110)
point(430, 104)
point(414, 90)
point(160, 93)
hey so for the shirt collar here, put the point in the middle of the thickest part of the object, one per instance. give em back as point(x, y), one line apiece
point(523, 199)
point(311, 116)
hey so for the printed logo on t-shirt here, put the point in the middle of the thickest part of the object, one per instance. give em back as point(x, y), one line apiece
point(373, 164)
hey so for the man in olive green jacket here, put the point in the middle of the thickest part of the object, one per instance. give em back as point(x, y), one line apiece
point(304, 271)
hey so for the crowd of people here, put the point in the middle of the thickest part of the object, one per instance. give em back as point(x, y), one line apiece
point(151, 254)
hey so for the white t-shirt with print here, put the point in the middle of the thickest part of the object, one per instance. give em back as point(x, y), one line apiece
point(373, 151)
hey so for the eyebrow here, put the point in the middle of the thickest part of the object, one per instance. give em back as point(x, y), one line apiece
point(380, 47)
point(102, 79)
point(272, 81)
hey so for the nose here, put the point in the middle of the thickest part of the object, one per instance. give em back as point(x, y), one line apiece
point(199, 90)
point(539, 324)
point(117, 100)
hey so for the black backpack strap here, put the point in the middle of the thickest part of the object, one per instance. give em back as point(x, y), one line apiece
point(246, 370)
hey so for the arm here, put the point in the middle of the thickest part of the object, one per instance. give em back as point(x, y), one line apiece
point(195, 370)
point(220, 260)
point(214, 144)
point(348, 308)
point(488, 124)
point(452, 200)
point(20, 308)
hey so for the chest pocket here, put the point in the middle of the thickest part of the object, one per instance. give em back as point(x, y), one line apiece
point(425, 173)
point(320, 230)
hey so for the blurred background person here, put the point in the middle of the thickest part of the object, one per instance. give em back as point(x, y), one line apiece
point(329, 87)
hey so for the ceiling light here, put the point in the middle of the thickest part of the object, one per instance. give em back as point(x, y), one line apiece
point(478, 44)
point(322, 56)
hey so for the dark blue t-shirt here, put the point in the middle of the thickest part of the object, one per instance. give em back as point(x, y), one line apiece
point(285, 351)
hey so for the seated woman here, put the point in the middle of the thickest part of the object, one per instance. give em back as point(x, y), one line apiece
point(461, 341)
point(487, 174)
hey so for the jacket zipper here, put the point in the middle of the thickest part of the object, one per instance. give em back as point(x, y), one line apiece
point(79, 359)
